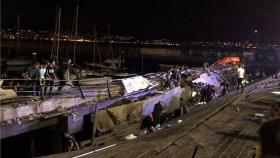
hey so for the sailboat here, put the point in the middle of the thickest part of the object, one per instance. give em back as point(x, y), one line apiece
point(107, 68)
point(110, 67)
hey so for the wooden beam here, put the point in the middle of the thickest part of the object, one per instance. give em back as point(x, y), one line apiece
point(14, 129)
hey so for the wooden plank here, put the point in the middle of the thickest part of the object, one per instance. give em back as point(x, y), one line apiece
point(14, 129)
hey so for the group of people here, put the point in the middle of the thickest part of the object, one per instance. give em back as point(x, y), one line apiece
point(207, 93)
point(40, 78)
point(159, 115)
point(44, 75)
point(41, 74)
point(174, 76)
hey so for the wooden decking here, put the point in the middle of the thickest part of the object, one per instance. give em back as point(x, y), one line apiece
point(218, 129)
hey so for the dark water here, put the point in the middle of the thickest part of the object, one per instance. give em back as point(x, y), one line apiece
point(133, 55)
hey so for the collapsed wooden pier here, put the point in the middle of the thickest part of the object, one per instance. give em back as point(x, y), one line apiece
point(214, 130)
point(27, 113)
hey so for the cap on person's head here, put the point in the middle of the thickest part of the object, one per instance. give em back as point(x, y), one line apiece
point(270, 138)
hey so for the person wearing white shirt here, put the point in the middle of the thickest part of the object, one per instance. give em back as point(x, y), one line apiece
point(241, 74)
point(43, 71)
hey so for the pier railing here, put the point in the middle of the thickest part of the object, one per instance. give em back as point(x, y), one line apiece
point(31, 87)
point(68, 88)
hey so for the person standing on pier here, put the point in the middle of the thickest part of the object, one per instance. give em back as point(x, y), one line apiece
point(43, 76)
point(43, 70)
point(51, 77)
point(178, 75)
point(168, 79)
point(183, 107)
point(61, 73)
point(224, 87)
point(34, 74)
point(241, 74)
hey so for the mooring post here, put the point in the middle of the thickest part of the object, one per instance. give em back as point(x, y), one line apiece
point(94, 126)
point(142, 64)
point(42, 92)
point(195, 151)
point(80, 89)
point(108, 89)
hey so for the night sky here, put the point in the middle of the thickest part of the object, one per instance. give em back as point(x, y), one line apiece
point(233, 20)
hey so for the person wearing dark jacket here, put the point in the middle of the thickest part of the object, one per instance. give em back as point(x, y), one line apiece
point(50, 77)
point(36, 79)
point(72, 144)
point(156, 115)
point(61, 72)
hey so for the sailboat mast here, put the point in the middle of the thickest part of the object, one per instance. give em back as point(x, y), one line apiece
point(54, 34)
point(58, 33)
point(18, 17)
point(76, 31)
point(94, 45)
point(110, 44)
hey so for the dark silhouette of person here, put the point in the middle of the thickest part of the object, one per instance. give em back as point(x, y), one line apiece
point(61, 73)
point(157, 114)
point(270, 139)
point(72, 144)
point(36, 79)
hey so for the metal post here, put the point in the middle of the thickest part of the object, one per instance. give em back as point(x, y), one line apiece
point(142, 64)
point(108, 89)
point(58, 34)
point(94, 44)
point(94, 126)
point(54, 34)
point(80, 89)
point(18, 33)
point(76, 31)
point(195, 151)
point(42, 91)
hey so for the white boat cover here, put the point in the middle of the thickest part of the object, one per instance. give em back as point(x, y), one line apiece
point(213, 79)
point(134, 84)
